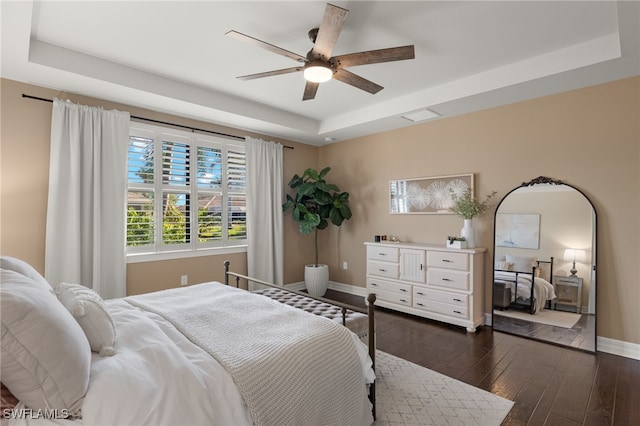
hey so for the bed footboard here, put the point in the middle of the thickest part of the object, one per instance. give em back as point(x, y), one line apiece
point(350, 316)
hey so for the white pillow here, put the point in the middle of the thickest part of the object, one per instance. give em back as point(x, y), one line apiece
point(45, 355)
point(21, 267)
point(521, 264)
point(88, 308)
point(503, 265)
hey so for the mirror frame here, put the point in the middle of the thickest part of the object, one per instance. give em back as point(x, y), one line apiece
point(538, 181)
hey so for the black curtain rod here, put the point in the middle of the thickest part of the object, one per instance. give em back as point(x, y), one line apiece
point(193, 129)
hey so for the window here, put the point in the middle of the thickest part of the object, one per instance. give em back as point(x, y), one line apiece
point(186, 192)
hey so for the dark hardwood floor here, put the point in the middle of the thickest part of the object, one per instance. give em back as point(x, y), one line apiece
point(550, 385)
point(580, 336)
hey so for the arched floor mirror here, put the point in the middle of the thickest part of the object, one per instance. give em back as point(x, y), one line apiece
point(544, 280)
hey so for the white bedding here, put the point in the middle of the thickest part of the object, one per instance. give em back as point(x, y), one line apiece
point(543, 290)
point(159, 377)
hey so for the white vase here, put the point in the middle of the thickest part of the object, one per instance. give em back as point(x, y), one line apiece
point(316, 279)
point(468, 233)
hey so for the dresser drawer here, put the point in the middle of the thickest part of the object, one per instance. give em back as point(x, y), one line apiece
point(448, 260)
point(383, 269)
point(448, 279)
point(567, 281)
point(398, 288)
point(442, 308)
point(389, 254)
point(400, 299)
point(421, 294)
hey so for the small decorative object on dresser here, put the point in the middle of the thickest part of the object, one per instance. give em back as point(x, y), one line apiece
point(429, 280)
point(456, 242)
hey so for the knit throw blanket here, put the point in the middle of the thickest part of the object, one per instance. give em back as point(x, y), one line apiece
point(292, 367)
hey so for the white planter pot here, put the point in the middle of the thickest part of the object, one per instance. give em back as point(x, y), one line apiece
point(316, 279)
point(457, 244)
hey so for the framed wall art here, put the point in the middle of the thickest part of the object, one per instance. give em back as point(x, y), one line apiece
point(518, 230)
point(428, 195)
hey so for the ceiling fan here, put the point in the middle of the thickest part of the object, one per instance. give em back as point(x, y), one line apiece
point(319, 66)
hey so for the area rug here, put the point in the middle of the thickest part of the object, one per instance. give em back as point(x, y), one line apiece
point(408, 394)
point(547, 316)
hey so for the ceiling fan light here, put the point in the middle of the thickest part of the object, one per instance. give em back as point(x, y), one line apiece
point(317, 72)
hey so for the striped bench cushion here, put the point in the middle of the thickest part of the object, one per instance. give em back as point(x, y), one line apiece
point(357, 322)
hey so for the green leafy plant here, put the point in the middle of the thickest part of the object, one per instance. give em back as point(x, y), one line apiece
point(452, 239)
point(467, 207)
point(316, 203)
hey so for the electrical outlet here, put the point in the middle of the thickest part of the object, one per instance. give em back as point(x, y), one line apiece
point(184, 280)
point(344, 265)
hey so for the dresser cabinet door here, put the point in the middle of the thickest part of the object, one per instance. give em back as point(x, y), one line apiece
point(412, 265)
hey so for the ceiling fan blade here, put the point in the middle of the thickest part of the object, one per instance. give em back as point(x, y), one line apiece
point(375, 56)
point(270, 73)
point(357, 81)
point(328, 32)
point(310, 90)
point(266, 46)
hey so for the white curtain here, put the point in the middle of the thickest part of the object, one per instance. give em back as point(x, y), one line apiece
point(265, 252)
point(85, 237)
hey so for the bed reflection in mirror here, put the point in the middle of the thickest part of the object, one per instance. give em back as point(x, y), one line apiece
point(544, 280)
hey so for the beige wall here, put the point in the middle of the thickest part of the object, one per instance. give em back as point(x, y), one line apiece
point(589, 138)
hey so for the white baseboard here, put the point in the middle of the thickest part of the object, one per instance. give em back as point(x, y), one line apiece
point(619, 347)
point(347, 288)
point(610, 346)
point(296, 286)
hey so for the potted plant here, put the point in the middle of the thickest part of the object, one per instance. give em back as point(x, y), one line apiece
point(456, 242)
point(468, 207)
point(314, 205)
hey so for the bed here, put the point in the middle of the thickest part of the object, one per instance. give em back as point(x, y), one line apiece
point(513, 279)
point(180, 356)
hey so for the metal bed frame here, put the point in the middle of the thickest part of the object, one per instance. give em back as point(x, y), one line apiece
point(520, 303)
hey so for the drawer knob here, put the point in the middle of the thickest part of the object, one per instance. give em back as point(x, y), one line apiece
point(382, 270)
point(446, 260)
point(446, 279)
point(402, 300)
point(457, 300)
point(419, 304)
point(403, 289)
point(420, 293)
point(382, 254)
point(457, 312)
point(374, 284)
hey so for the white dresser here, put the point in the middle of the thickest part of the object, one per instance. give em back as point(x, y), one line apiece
point(429, 280)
